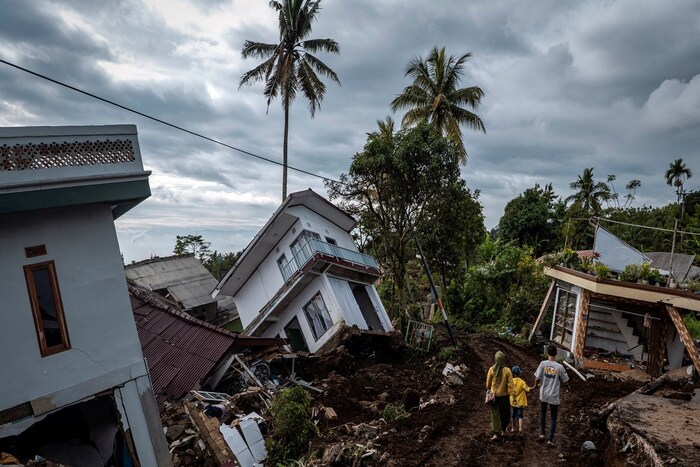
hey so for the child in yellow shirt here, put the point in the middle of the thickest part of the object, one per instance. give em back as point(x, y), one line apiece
point(518, 399)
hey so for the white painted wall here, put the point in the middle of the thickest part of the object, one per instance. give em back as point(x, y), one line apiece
point(314, 222)
point(296, 309)
point(83, 243)
point(267, 279)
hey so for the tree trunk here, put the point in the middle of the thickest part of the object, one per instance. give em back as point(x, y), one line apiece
point(284, 150)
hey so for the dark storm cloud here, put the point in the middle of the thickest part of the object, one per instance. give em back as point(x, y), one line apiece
point(613, 85)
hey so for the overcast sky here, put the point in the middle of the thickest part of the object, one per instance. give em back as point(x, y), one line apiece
point(613, 85)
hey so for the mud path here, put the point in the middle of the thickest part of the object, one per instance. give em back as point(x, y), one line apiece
point(454, 430)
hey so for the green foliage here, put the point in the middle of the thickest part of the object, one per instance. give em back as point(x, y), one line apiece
point(589, 193)
point(645, 271)
point(587, 265)
point(405, 180)
point(435, 97)
point(693, 325)
point(392, 413)
point(446, 354)
point(505, 289)
point(533, 219)
point(219, 264)
point(570, 259)
point(630, 273)
point(292, 427)
point(601, 271)
point(194, 244)
point(290, 67)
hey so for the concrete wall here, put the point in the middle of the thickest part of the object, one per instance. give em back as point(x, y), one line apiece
point(267, 279)
point(104, 345)
point(296, 309)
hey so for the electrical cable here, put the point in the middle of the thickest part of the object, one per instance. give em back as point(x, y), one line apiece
point(646, 226)
point(163, 122)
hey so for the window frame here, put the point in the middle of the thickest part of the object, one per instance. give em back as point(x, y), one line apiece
point(310, 323)
point(50, 266)
point(564, 315)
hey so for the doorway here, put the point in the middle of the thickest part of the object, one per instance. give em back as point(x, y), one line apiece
point(295, 336)
point(369, 313)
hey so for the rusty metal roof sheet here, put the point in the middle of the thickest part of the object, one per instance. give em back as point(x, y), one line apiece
point(181, 351)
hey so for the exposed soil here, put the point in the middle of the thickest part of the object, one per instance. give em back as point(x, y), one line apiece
point(454, 427)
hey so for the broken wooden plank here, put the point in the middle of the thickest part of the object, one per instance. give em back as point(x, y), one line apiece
point(599, 365)
point(685, 335)
point(543, 309)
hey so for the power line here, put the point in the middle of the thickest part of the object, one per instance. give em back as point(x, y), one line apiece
point(163, 122)
point(646, 226)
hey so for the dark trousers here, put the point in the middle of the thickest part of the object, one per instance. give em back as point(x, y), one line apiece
point(503, 404)
point(554, 410)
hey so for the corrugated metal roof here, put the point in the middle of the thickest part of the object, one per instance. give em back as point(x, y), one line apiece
point(181, 351)
point(681, 263)
point(188, 282)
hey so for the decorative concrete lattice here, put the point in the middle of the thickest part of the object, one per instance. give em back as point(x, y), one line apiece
point(43, 156)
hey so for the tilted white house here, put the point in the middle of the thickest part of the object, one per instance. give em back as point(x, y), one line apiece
point(74, 387)
point(302, 276)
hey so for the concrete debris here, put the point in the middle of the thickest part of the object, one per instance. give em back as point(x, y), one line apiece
point(588, 446)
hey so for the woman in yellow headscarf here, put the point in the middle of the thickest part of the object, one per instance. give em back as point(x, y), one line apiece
point(499, 380)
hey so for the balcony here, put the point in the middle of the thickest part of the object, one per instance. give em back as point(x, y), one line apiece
point(344, 262)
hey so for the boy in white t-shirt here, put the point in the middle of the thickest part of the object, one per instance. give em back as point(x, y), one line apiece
point(550, 375)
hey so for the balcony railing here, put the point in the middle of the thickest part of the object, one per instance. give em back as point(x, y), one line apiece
point(313, 246)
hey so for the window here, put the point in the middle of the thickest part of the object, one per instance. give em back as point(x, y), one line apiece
point(301, 240)
point(317, 315)
point(331, 241)
point(47, 308)
point(563, 325)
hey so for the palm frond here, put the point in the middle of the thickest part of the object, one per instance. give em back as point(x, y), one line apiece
point(321, 67)
point(259, 73)
point(258, 49)
point(311, 86)
point(321, 45)
point(465, 117)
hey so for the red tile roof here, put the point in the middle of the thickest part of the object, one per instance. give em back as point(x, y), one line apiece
point(181, 351)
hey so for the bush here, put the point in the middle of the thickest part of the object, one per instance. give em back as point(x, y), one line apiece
point(630, 273)
point(446, 354)
point(292, 427)
point(601, 271)
point(506, 289)
point(392, 412)
point(693, 325)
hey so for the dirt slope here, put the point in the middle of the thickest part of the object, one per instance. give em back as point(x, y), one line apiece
point(454, 430)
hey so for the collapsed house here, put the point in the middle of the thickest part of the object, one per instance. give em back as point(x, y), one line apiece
point(75, 388)
point(302, 276)
point(186, 282)
point(183, 353)
point(615, 324)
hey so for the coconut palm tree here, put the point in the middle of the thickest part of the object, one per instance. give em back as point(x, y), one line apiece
point(435, 96)
point(676, 175)
point(590, 193)
point(289, 66)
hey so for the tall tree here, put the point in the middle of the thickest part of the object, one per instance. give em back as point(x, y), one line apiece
point(194, 244)
point(435, 97)
point(533, 219)
point(590, 194)
point(676, 175)
point(289, 66)
point(400, 182)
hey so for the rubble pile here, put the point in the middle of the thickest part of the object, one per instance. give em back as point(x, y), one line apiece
point(376, 402)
